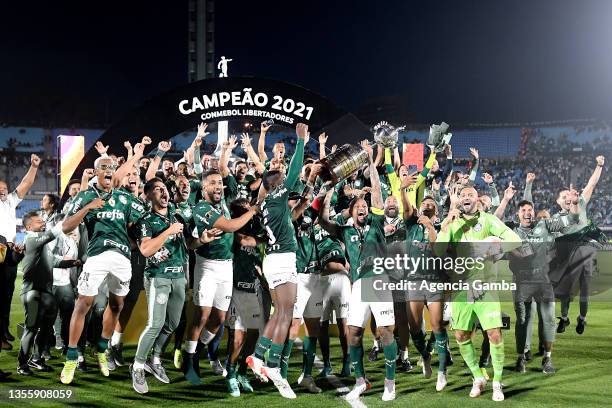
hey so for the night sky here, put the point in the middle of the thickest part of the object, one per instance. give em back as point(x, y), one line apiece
point(471, 61)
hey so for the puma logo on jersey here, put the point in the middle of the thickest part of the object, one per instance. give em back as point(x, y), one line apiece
point(111, 215)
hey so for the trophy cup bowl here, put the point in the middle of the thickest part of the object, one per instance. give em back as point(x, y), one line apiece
point(342, 163)
point(386, 136)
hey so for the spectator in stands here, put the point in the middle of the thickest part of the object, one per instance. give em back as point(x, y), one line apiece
point(8, 229)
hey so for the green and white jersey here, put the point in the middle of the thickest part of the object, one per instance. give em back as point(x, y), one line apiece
point(175, 248)
point(234, 190)
point(246, 260)
point(361, 244)
point(195, 190)
point(418, 246)
point(276, 211)
point(205, 215)
point(306, 255)
point(107, 227)
point(185, 211)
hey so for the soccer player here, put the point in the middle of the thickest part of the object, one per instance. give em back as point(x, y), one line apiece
point(163, 245)
point(107, 213)
point(576, 256)
point(37, 291)
point(212, 286)
point(365, 232)
point(279, 267)
point(130, 184)
point(530, 266)
point(421, 234)
point(246, 315)
point(459, 229)
point(309, 299)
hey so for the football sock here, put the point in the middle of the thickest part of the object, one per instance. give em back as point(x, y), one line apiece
point(390, 352)
point(497, 359)
point(469, 356)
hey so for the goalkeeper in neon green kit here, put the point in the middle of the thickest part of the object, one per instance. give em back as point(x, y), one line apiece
point(460, 231)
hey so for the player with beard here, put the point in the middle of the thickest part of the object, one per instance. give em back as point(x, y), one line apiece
point(107, 213)
point(395, 234)
point(163, 245)
point(212, 286)
point(365, 233)
point(246, 315)
point(184, 210)
point(575, 256)
point(530, 266)
point(37, 291)
point(465, 231)
point(279, 266)
point(309, 298)
point(130, 184)
point(237, 184)
point(421, 233)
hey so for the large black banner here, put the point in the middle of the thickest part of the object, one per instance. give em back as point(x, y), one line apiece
point(213, 100)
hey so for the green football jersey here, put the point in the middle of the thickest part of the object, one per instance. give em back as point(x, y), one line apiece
point(175, 248)
point(246, 260)
point(418, 247)
point(185, 211)
point(234, 190)
point(195, 191)
point(107, 227)
point(276, 211)
point(306, 256)
point(362, 245)
point(205, 215)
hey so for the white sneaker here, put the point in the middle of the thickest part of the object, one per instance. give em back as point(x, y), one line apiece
point(256, 365)
point(357, 390)
point(389, 393)
point(478, 386)
point(218, 368)
point(498, 394)
point(280, 383)
point(309, 383)
point(442, 381)
point(427, 368)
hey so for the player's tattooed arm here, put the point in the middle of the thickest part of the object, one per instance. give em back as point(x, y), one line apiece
point(376, 193)
point(326, 224)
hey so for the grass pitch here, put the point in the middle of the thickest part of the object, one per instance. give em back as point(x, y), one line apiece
point(583, 378)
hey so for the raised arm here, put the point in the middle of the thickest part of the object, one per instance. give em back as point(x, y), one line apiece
point(162, 148)
point(295, 167)
point(377, 201)
point(488, 179)
point(475, 162)
point(397, 162)
point(248, 148)
point(508, 195)
point(590, 187)
point(226, 151)
point(261, 143)
point(322, 141)
point(125, 168)
point(408, 209)
point(528, 185)
point(27, 181)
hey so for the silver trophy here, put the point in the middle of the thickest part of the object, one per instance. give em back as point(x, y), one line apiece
point(438, 138)
point(386, 135)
